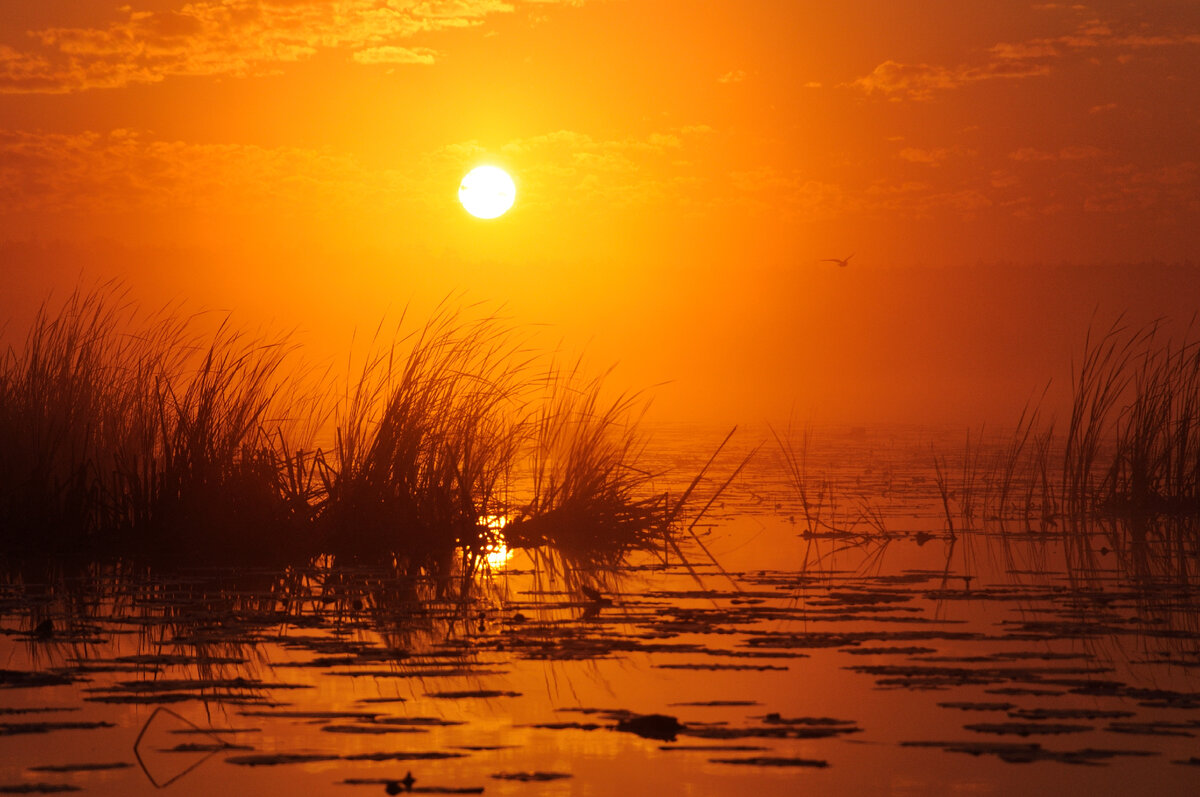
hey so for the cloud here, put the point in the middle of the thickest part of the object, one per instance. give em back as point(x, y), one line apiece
point(1069, 153)
point(1003, 179)
point(621, 172)
point(123, 170)
point(1031, 154)
point(230, 37)
point(1023, 50)
point(1095, 34)
point(933, 157)
point(1015, 60)
point(92, 174)
point(1168, 190)
point(736, 76)
point(788, 192)
point(922, 200)
point(391, 54)
point(1139, 42)
point(1080, 153)
point(898, 81)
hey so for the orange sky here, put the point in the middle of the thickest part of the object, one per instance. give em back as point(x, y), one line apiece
point(681, 169)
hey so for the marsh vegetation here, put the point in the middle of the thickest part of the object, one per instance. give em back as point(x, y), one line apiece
point(297, 573)
point(146, 435)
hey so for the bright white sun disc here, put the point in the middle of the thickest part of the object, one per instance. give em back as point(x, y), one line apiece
point(487, 192)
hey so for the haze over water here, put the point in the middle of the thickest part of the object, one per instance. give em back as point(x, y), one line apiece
point(913, 251)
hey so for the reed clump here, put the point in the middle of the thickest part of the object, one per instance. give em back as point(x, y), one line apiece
point(213, 471)
point(62, 412)
point(120, 431)
point(424, 442)
point(1154, 464)
point(586, 492)
point(1131, 446)
point(125, 434)
point(1129, 449)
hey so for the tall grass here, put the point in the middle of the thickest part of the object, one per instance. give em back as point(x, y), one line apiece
point(1124, 476)
point(77, 410)
point(52, 419)
point(425, 440)
point(123, 430)
point(587, 492)
point(133, 434)
point(214, 473)
point(1155, 465)
point(1132, 445)
point(1098, 385)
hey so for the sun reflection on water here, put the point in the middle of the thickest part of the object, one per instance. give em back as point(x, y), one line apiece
point(496, 553)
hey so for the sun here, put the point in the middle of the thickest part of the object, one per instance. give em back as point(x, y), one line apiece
point(487, 192)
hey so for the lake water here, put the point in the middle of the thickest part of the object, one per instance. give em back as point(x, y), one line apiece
point(870, 651)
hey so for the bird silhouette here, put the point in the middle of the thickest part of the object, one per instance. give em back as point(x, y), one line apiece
point(404, 785)
point(596, 602)
point(595, 596)
point(843, 262)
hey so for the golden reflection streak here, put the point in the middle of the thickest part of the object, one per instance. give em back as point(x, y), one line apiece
point(497, 553)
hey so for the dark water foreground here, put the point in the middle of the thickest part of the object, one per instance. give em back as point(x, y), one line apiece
point(874, 653)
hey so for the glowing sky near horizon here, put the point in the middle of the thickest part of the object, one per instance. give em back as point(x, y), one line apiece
point(301, 156)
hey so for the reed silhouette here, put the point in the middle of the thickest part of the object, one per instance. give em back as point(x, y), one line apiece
point(587, 493)
point(1121, 479)
point(134, 435)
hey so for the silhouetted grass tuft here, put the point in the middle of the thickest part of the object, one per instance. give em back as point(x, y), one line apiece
point(587, 494)
point(425, 440)
point(131, 435)
point(1123, 477)
point(1132, 445)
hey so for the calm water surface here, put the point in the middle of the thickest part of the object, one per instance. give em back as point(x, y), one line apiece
point(873, 652)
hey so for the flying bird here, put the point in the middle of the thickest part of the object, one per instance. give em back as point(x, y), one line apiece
point(843, 262)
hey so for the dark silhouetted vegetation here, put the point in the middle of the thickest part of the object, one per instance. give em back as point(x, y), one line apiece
point(132, 435)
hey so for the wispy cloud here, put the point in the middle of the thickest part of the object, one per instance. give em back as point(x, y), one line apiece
point(770, 191)
point(1015, 60)
point(923, 200)
point(575, 168)
point(1023, 50)
point(1070, 153)
point(1170, 190)
point(1093, 34)
point(898, 81)
point(391, 54)
point(123, 170)
point(231, 37)
point(934, 156)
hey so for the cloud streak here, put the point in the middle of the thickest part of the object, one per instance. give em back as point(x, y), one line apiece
point(123, 170)
point(131, 171)
point(897, 81)
point(390, 54)
point(231, 37)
